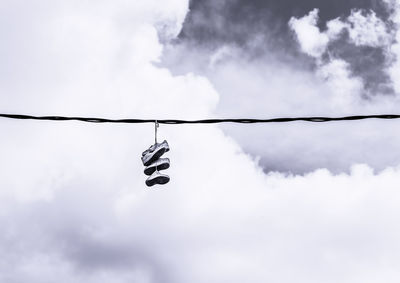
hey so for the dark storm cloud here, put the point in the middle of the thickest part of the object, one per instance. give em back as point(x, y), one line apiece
point(284, 81)
point(212, 22)
point(260, 29)
point(366, 62)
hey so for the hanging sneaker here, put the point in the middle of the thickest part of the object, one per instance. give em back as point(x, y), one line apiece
point(160, 164)
point(157, 178)
point(152, 147)
point(154, 152)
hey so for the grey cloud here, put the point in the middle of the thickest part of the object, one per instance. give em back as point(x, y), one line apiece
point(260, 29)
point(85, 237)
point(368, 63)
point(210, 23)
point(268, 76)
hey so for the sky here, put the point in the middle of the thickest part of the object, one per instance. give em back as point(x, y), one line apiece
point(259, 203)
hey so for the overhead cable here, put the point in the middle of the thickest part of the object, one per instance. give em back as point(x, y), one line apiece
point(204, 121)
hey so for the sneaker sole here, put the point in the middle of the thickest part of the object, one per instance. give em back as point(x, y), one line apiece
point(151, 170)
point(157, 181)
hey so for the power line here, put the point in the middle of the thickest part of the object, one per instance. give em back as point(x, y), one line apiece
point(205, 121)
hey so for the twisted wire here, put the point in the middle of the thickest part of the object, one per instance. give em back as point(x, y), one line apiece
point(204, 121)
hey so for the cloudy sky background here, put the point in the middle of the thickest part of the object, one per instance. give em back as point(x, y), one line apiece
point(280, 203)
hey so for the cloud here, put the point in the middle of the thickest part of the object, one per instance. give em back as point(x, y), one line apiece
point(312, 41)
point(394, 49)
point(359, 29)
point(73, 204)
point(368, 30)
point(315, 43)
point(345, 79)
point(338, 75)
point(364, 29)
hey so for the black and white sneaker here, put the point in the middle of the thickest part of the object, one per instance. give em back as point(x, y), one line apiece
point(154, 153)
point(160, 164)
point(157, 179)
point(152, 147)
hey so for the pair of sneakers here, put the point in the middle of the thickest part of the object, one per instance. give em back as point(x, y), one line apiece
point(151, 159)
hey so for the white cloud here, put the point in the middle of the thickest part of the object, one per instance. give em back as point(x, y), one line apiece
point(364, 29)
point(311, 40)
point(335, 28)
point(335, 71)
point(394, 49)
point(338, 76)
point(367, 30)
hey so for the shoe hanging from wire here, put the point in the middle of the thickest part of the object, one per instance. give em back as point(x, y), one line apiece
point(151, 159)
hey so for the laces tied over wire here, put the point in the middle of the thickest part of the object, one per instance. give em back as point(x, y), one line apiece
point(156, 126)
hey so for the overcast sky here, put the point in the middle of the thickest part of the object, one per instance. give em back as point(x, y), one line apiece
point(259, 203)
